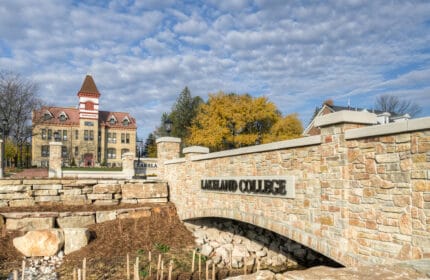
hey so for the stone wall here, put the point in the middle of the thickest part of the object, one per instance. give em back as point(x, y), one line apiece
point(24, 193)
point(362, 193)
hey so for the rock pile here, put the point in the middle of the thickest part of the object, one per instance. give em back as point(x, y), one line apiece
point(41, 268)
point(229, 244)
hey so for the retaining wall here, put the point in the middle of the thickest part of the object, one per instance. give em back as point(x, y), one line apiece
point(24, 193)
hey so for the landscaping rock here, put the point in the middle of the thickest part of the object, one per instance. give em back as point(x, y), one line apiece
point(27, 224)
point(261, 275)
point(75, 239)
point(76, 221)
point(40, 243)
point(104, 216)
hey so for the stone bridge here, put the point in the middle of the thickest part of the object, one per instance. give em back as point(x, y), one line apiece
point(358, 193)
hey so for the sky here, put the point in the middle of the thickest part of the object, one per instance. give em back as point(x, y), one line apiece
point(142, 53)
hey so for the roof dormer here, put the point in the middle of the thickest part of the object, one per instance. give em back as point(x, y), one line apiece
point(125, 121)
point(63, 116)
point(112, 120)
point(47, 115)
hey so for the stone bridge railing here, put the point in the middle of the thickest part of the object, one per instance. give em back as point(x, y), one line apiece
point(357, 193)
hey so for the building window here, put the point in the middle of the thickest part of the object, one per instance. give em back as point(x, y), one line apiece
point(76, 134)
point(89, 124)
point(64, 152)
point(125, 122)
point(43, 133)
point(64, 135)
point(123, 151)
point(122, 138)
point(127, 138)
point(111, 153)
point(88, 135)
point(91, 135)
point(76, 151)
point(112, 137)
point(49, 134)
point(112, 120)
point(89, 106)
point(45, 151)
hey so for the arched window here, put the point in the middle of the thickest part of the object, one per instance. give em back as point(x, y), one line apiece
point(123, 151)
point(89, 105)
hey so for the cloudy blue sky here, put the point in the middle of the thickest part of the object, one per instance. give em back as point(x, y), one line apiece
point(142, 53)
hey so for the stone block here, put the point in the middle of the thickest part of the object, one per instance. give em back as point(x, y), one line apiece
point(71, 192)
point(99, 196)
point(6, 182)
point(27, 224)
point(73, 197)
point(13, 188)
point(45, 192)
point(76, 221)
point(15, 195)
point(22, 203)
point(75, 239)
point(76, 202)
point(145, 190)
point(104, 216)
point(41, 182)
point(152, 200)
point(106, 202)
point(48, 187)
point(106, 188)
point(40, 243)
point(386, 158)
point(47, 199)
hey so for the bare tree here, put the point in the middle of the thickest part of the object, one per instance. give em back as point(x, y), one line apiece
point(18, 98)
point(393, 104)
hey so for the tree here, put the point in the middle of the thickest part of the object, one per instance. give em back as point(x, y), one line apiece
point(232, 120)
point(286, 128)
point(18, 98)
point(393, 104)
point(150, 148)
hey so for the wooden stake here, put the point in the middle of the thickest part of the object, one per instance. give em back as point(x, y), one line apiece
point(244, 265)
point(162, 269)
point(158, 266)
point(213, 270)
point(194, 259)
point(200, 265)
point(84, 269)
point(136, 269)
point(207, 271)
point(128, 266)
point(150, 263)
point(23, 270)
point(231, 259)
point(15, 275)
point(170, 269)
point(258, 264)
point(74, 273)
point(79, 274)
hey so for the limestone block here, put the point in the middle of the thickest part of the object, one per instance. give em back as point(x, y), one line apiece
point(385, 158)
point(15, 195)
point(42, 182)
point(240, 251)
point(76, 221)
point(22, 203)
point(206, 250)
point(75, 239)
point(71, 192)
point(1, 221)
point(106, 202)
point(47, 198)
point(145, 190)
point(73, 197)
point(40, 243)
point(9, 183)
point(152, 200)
point(47, 187)
point(13, 188)
point(106, 188)
point(99, 196)
point(45, 192)
point(3, 203)
point(103, 216)
point(27, 224)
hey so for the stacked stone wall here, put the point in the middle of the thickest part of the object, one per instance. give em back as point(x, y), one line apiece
point(358, 199)
point(25, 193)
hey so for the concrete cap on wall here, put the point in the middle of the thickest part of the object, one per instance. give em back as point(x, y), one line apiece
point(346, 116)
point(168, 139)
point(196, 150)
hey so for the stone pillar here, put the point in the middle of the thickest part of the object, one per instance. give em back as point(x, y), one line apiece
point(128, 165)
point(2, 159)
point(335, 181)
point(55, 160)
point(167, 148)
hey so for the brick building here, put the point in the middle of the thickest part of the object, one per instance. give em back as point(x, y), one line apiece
point(90, 137)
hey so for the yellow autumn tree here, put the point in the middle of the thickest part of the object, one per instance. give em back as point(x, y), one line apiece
point(232, 120)
point(288, 127)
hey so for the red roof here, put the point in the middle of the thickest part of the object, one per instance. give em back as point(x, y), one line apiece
point(53, 116)
point(89, 87)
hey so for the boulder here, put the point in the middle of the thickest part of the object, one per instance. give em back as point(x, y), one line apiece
point(75, 239)
point(40, 243)
point(206, 250)
point(76, 221)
